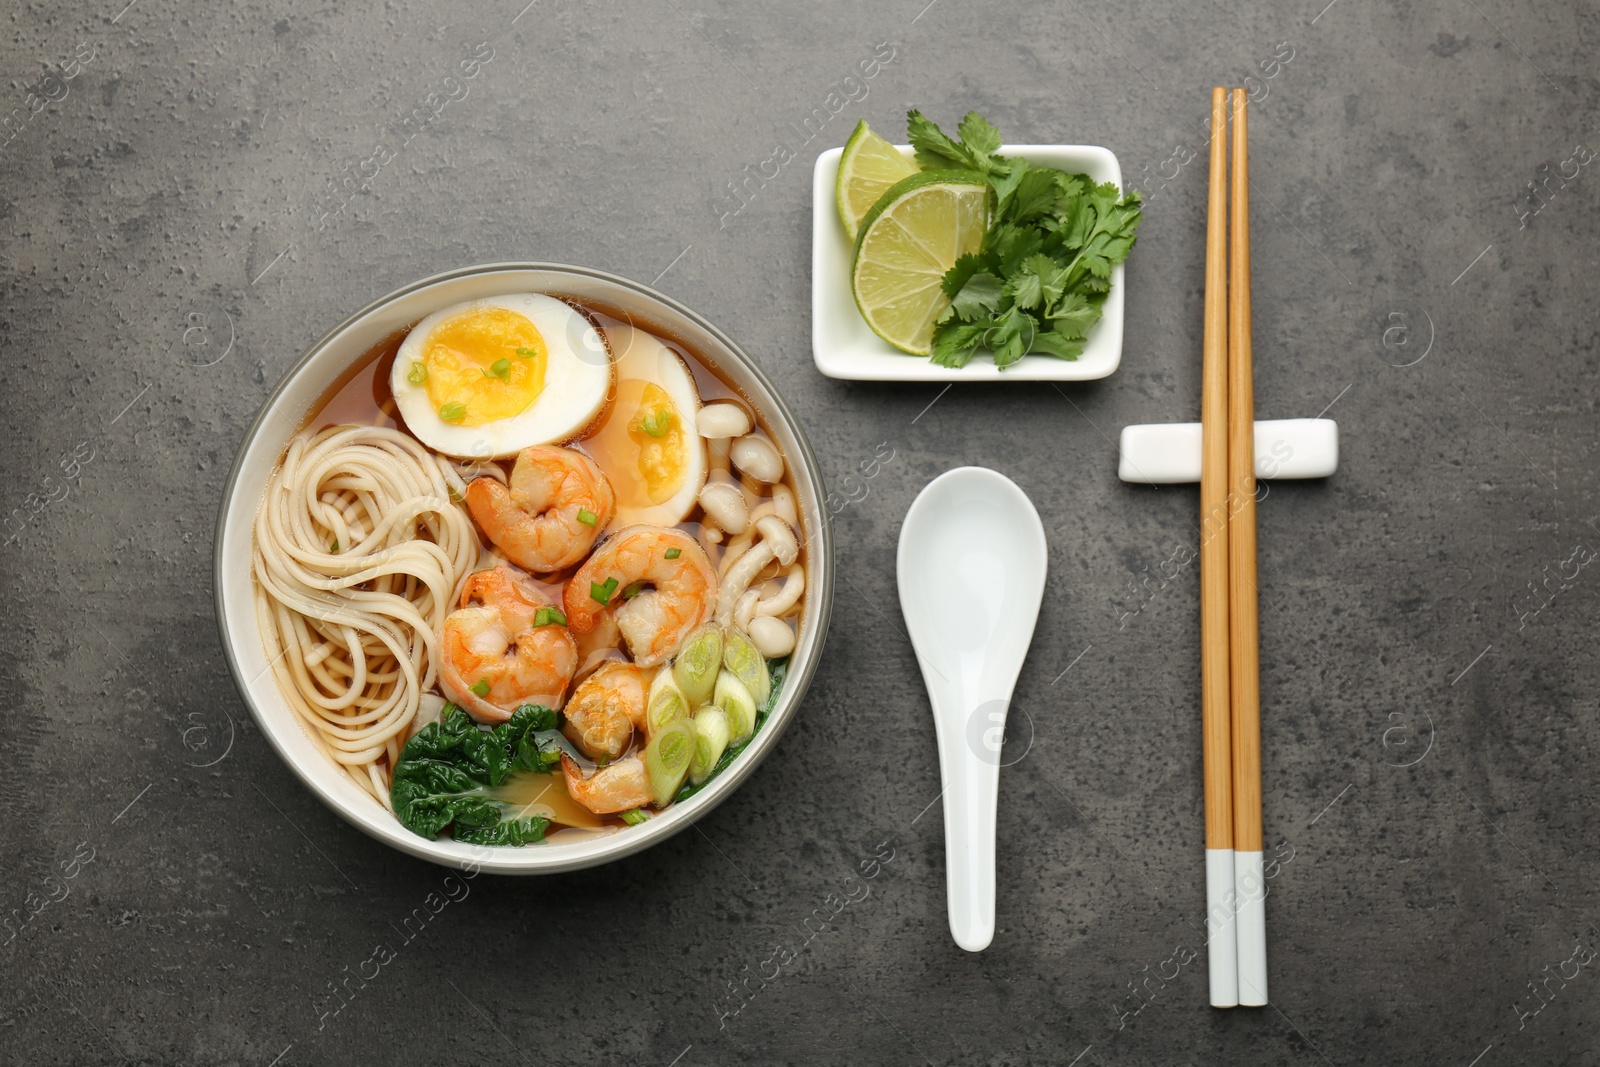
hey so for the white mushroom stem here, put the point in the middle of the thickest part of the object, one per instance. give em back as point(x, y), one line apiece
point(783, 505)
point(745, 610)
point(777, 543)
point(784, 601)
point(717, 454)
point(780, 535)
point(738, 578)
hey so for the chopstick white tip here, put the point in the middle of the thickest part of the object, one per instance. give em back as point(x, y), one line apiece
point(1250, 886)
point(1222, 948)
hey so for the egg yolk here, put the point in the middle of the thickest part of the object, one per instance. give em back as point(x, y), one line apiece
point(482, 365)
point(656, 430)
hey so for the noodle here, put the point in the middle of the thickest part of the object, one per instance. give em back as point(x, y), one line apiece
point(359, 556)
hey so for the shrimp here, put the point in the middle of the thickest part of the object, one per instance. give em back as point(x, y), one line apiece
point(547, 519)
point(493, 658)
point(598, 645)
point(605, 709)
point(660, 582)
point(618, 787)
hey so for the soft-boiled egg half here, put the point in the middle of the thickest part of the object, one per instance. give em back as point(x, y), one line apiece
point(491, 377)
point(648, 445)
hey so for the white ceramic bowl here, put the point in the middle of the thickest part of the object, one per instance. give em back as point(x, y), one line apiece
point(844, 346)
point(287, 409)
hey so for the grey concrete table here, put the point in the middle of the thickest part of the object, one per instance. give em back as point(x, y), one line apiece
point(192, 195)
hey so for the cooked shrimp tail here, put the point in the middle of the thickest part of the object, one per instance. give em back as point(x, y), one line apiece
point(617, 787)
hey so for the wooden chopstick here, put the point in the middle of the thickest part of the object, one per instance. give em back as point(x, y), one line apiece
point(1215, 713)
point(1243, 601)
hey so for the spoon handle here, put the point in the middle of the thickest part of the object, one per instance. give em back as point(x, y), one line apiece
point(969, 767)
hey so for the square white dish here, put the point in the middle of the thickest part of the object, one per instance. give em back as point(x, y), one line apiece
point(842, 344)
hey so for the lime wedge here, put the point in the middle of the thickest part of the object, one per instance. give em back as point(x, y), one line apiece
point(868, 167)
point(910, 238)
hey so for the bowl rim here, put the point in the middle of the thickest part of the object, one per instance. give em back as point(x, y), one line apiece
point(818, 538)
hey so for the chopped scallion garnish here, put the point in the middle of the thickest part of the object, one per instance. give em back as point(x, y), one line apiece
point(602, 592)
point(633, 590)
point(527, 353)
point(674, 553)
point(635, 816)
point(454, 411)
point(481, 687)
point(587, 517)
point(547, 615)
point(417, 374)
point(500, 368)
point(657, 423)
point(333, 546)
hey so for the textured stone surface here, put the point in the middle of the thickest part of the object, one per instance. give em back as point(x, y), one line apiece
point(1428, 725)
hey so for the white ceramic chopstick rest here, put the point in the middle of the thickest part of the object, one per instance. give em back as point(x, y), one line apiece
point(1168, 453)
point(971, 569)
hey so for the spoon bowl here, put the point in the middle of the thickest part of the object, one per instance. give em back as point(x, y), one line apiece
point(971, 570)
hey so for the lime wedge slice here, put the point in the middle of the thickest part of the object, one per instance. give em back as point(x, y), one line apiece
point(910, 238)
point(868, 167)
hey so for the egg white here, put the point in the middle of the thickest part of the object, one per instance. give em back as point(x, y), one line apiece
point(577, 380)
point(640, 355)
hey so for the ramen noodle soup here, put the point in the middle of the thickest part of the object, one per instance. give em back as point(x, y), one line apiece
point(529, 570)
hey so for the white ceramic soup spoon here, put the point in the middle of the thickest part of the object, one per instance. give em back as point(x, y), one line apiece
point(971, 571)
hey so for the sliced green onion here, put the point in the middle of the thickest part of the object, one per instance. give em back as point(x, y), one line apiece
point(587, 517)
point(481, 687)
point(333, 546)
point(454, 411)
point(527, 353)
point(417, 374)
point(664, 705)
point(674, 553)
point(601, 592)
point(657, 423)
point(667, 758)
point(712, 735)
point(633, 590)
point(634, 816)
point(547, 615)
point(747, 664)
point(500, 368)
point(734, 698)
point(695, 668)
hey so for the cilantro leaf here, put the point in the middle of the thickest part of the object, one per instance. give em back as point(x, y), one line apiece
point(934, 147)
point(956, 277)
point(979, 297)
point(975, 151)
point(978, 135)
point(953, 345)
point(1053, 344)
point(1073, 316)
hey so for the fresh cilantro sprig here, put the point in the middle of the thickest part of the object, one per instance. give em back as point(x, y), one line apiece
point(1040, 280)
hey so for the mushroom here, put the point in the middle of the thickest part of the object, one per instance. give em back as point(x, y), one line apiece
point(776, 542)
point(724, 503)
point(772, 637)
point(722, 419)
point(756, 457)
